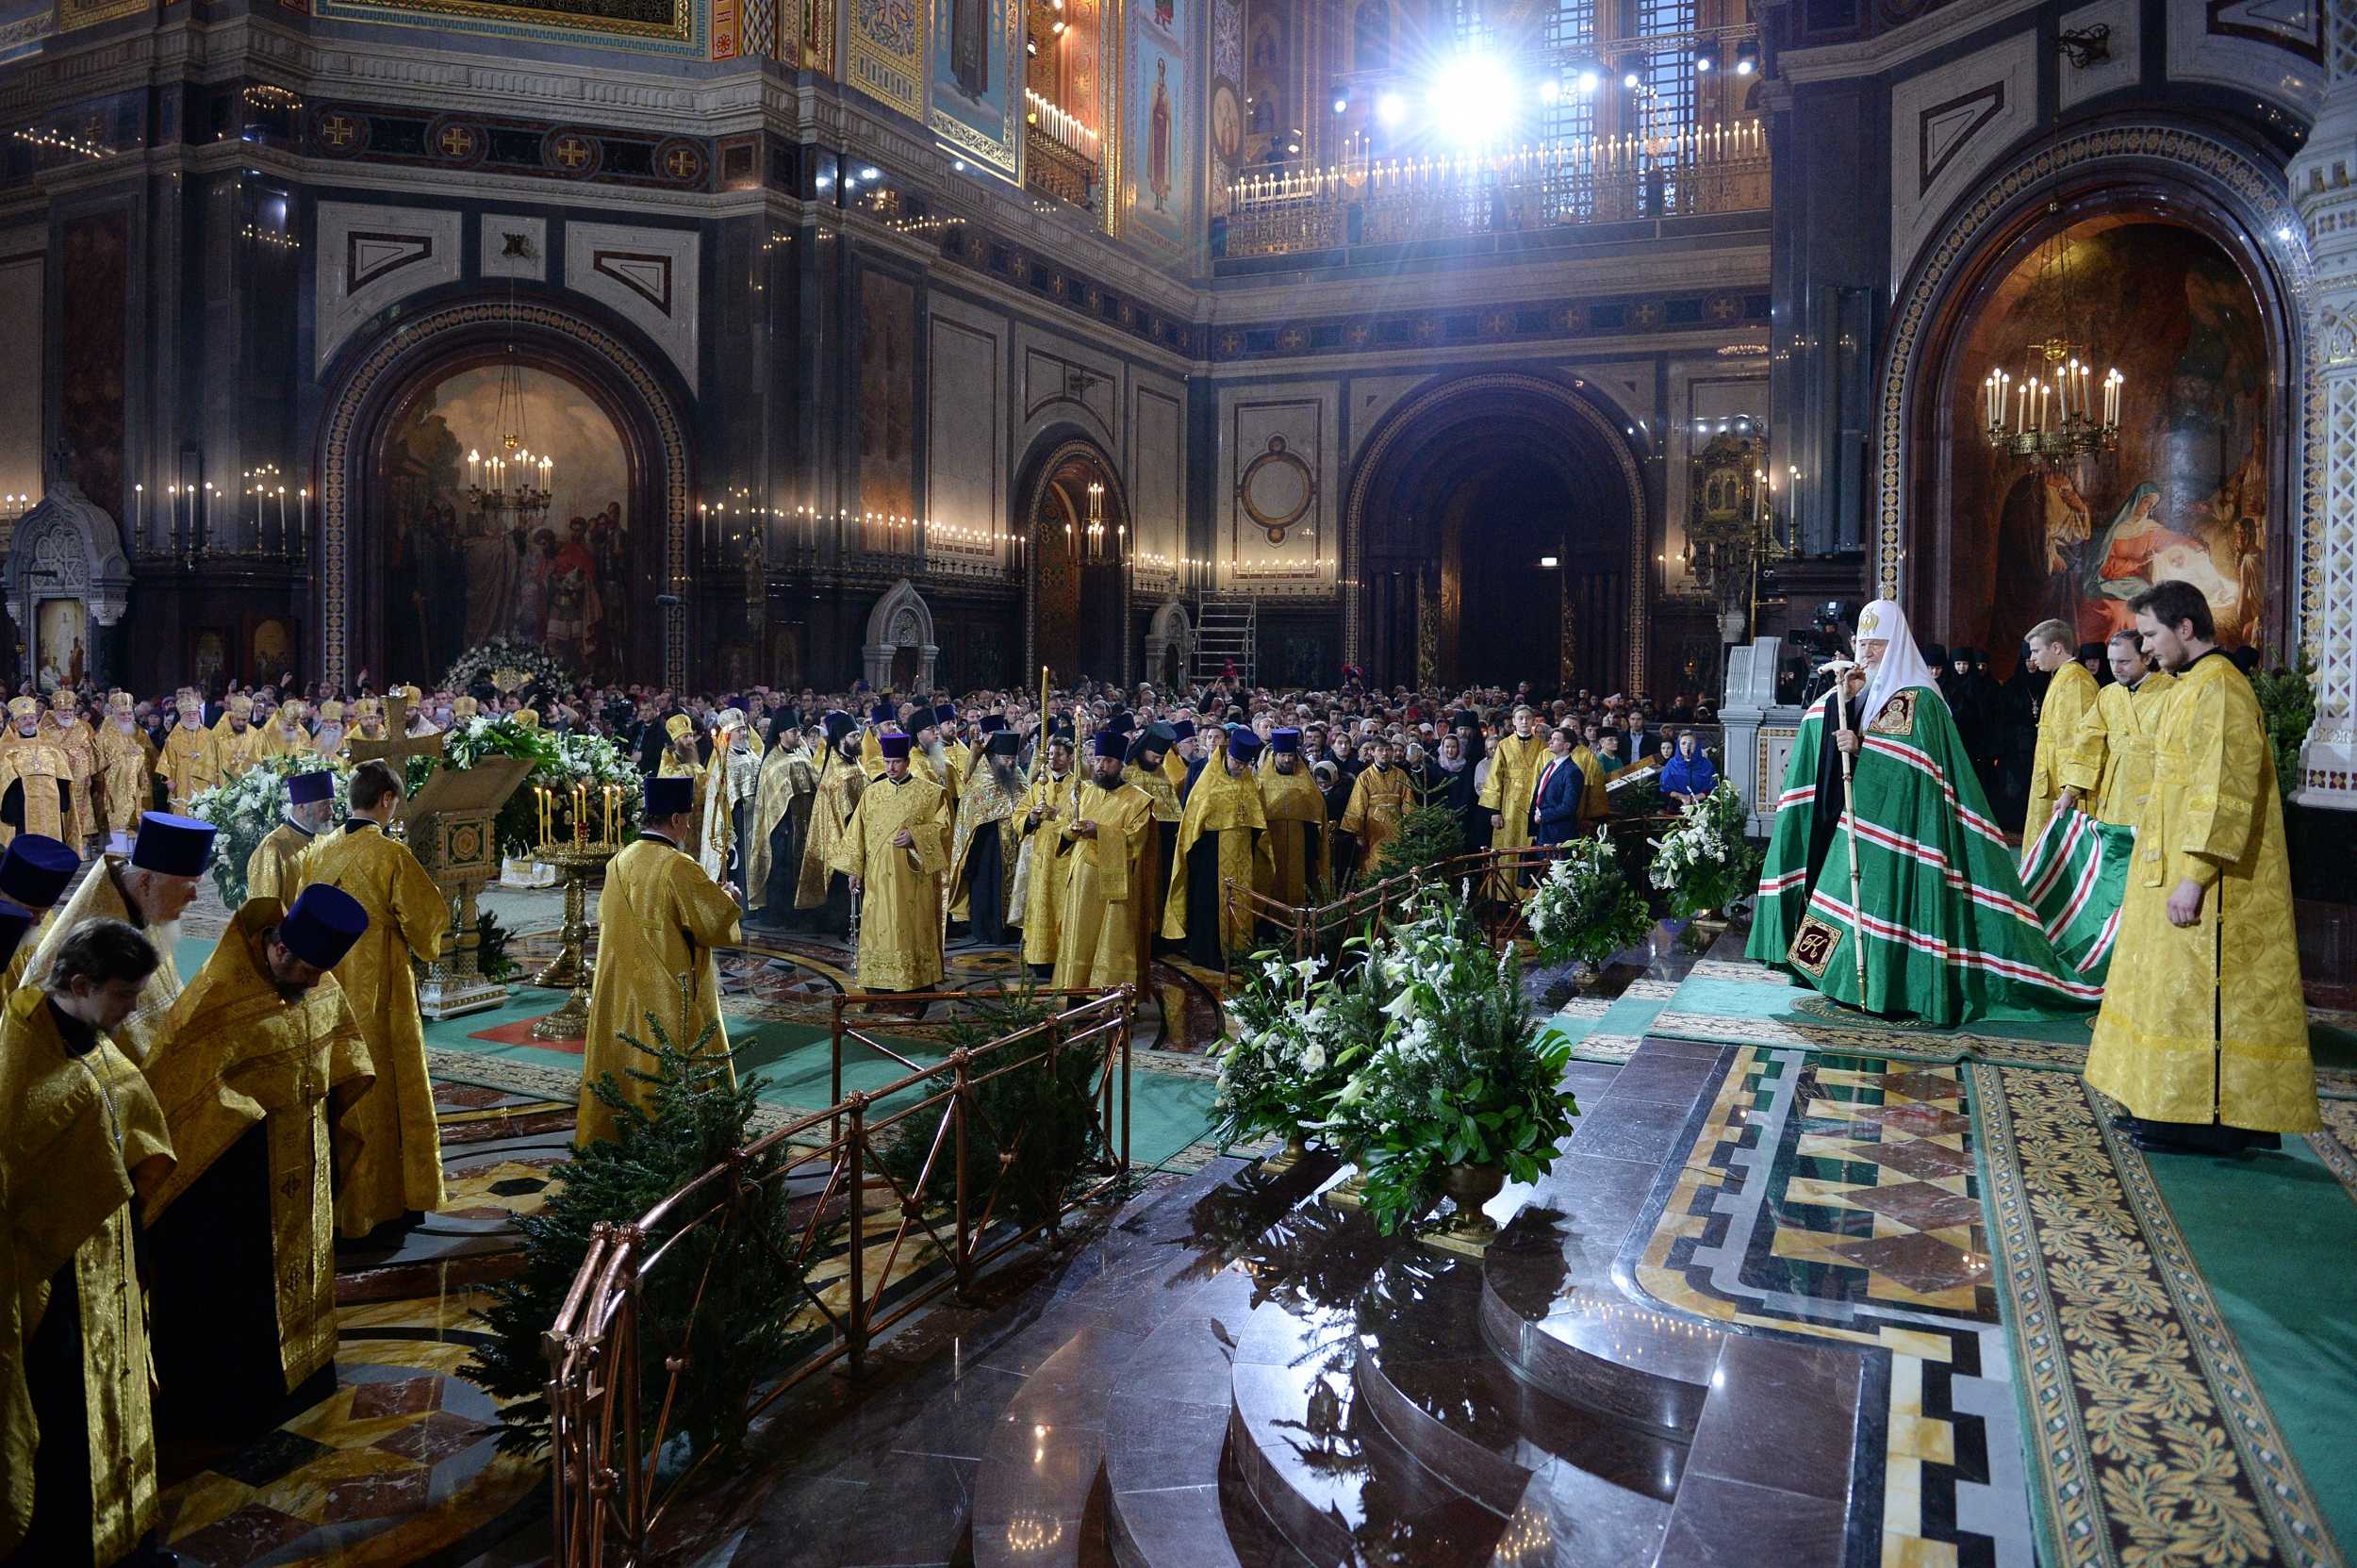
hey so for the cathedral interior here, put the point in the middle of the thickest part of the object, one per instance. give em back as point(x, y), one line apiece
point(932, 345)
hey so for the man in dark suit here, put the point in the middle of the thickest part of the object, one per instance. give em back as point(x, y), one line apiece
point(1555, 804)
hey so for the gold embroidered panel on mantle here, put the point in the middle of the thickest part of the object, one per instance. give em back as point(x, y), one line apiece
point(885, 52)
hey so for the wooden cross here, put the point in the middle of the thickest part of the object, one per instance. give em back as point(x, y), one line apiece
point(397, 746)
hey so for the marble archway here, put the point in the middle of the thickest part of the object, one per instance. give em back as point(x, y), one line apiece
point(902, 648)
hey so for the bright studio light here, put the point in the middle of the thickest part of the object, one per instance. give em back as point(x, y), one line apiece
point(1589, 81)
point(1629, 81)
point(1473, 99)
point(1391, 109)
point(1549, 91)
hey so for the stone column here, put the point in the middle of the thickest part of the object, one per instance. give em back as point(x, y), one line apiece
point(2322, 187)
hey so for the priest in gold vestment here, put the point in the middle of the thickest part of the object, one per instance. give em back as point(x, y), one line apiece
point(398, 1170)
point(2110, 766)
point(1108, 904)
point(2204, 1034)
point(841, 780)
point(80, 1138)
point(1381, 797)
point(124, 783)
point(257, 1072)
point(1050, 801)
point(1293, 854)
point(895, 851)
point(186, 765)
point(982, 850)
point(659, 918)
point(1514, 765)
point(1218, 844)
point(149, 889)
point(275, 869)
point(2068, 703)
point(36, 776)
point(68, 729)
point(781, 822)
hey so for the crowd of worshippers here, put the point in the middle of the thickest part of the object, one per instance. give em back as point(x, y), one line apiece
point(181, 1156)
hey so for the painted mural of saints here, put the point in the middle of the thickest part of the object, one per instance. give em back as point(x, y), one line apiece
point(1158, 138)
point(969, 47)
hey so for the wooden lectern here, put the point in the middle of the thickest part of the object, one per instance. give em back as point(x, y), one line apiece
point(450, 826)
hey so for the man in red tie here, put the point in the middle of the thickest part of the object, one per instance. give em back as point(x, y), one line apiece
point(1555, 802)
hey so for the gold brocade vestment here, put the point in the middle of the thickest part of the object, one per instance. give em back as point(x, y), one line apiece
point(1294, 852)
point(278, 741)
point(2207, 1021)
point(1379, 796)
point(840, 784)
point(236, 1053)
point(789, 778)
point(2111, 763)
point(1228, 805)
point(1596, 801)
point(274, 870)
point(236, 751)
point(659, 918)
point(1102, 941)
point(1042, 864)
point(81, 750)
point(1514, 765)
point(40, 766)
point(187, 765)
point(399, 1166)
point(122, 785)
point(99, 895)
point(79, 1136)
point(2069, 701)
point(899, 927)
point(980, 801)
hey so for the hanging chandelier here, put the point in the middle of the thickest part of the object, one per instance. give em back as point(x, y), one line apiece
point(2057, 409)
point(511, 487)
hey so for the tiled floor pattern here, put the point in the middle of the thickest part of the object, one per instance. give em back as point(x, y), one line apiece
point(1834, 1196)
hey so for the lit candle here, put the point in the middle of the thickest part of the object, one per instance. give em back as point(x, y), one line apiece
point(581, 813)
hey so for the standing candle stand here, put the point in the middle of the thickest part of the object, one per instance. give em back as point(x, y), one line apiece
point(568, 843)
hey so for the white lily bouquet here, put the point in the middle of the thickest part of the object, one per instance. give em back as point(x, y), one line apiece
point(1585, 910)
point(1705, 863)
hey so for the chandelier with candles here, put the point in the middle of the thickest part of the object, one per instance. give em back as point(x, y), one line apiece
point(511, 487)
point(2057, 410)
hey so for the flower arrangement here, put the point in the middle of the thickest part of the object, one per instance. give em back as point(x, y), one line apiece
point(1704, 862)
point(1459, 1076)
point(558, 763)
point(472, 670)
point(1585, 910)
point(245, 812)
point(1301, 1028)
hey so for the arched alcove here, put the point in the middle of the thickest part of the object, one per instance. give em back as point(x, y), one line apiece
point(1076, 612)
point(901, 647)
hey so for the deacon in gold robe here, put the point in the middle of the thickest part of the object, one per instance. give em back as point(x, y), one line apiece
point(283, 736)
point(1381, 797)
point(275, 869)
point(1514, 765)
point(123, 785)
point(1293, 854)
point(659, 919)
point(36, 776)
point(148, 890)
point(727, 787)
point(187, 763)
point(1050, 799)
point(35, 872)
point(895, 852)
point(257, 1072)
point(398, 1170)
point(328, 739)
point(1107, 902)
point(781, 822)
point(2204, 1034)
point(68, 729)
point(982, 850)
point(2111, 767)
point(80, 1138)
point(841, 780)
point(2068, 703)
point(1218, 846)
point(237, 743)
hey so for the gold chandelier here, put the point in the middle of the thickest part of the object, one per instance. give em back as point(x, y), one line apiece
point(2057, 410)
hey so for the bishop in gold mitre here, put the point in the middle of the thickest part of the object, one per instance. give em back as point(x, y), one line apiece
point(285, 735)
point(328, 739)
point(1294, 853)
point(896, 853)
point(187, 763)
point(237, 744)
point(80, 1137)
point(35, 872)
point(1050, 801)
point(1218, 843)
point(259, 1064)
point(398, 1170)
point(68, 728)
point(275, 869)
point(124, 783)
point(36, 776)
point(1108, 904)
point(1514, 765)
point(149, 888)
point(659, 920)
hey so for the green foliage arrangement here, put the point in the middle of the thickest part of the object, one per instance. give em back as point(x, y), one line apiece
point(1427, 836)
point(472, 670)
point(1704, 862)
point(246, 812)
point(1301, 1028)
point(1586, 908)
point(558, 763)
point(726, 1298)
point(1458, 1074)
point(2287, 698)
point(490, 953)
point(1036, 1118)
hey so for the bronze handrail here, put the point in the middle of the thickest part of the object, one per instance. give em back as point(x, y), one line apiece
point(606, 1495)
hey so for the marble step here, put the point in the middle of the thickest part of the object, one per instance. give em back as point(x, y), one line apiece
point(1593, 1490)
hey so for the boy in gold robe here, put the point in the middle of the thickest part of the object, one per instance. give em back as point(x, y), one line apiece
point(2112, 762)
point(1379, 797)
point(1218, 844)
point(80, 1137)
point(1050, 799)
point(2203, 1035)
point(398, 1170)
point(260, 1061)
point(895, 852)
point(124, 783)
point(1514, 765)
point(1106, 904)
point(186, 765)
point(659, 918)
point(2069, 701)
point(148, 889)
